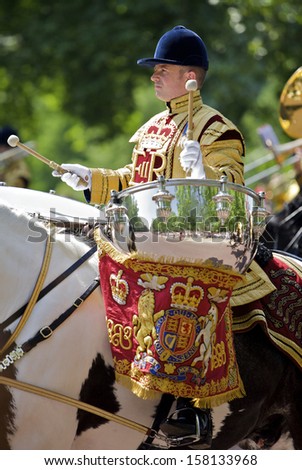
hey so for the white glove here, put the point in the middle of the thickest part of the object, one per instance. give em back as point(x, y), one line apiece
point(191, 159)
point(72, 178)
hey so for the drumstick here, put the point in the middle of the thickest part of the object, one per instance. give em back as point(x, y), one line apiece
point(14, 141)
point(191, 86)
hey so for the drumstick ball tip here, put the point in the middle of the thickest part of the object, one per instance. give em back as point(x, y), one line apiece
point(191, 85)
point(13, 140)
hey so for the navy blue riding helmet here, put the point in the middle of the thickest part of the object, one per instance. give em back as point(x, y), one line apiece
point(180, 46)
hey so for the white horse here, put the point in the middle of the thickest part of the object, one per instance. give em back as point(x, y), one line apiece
point(60, 363)
point(75, 361)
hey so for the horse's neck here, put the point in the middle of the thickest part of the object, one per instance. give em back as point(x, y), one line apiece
point(23, 245)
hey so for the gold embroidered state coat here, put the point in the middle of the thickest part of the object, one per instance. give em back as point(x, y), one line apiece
point(158, 144)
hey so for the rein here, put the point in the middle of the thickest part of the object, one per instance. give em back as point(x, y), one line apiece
point(46, 331)
point(42, 392)
point(150, 433)
point(34, 296)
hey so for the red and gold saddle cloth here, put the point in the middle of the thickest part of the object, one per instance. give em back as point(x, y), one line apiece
point(170, 327)
point(279, 312)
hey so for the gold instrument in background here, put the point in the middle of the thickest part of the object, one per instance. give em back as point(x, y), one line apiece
point(280, 179)
point(291, 106)
point(290, 118)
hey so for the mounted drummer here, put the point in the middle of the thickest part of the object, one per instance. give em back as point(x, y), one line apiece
point(161, 146)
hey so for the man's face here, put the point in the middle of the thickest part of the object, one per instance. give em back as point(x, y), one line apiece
point(169, 81)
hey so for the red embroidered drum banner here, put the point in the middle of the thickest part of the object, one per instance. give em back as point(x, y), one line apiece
point(170, 327)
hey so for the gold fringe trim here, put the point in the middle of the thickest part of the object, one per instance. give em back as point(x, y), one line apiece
point(143, 391)
point(106, 247)
point(137, 388)
point(218, 400)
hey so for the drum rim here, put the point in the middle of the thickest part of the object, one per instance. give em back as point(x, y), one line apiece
point(188, 182)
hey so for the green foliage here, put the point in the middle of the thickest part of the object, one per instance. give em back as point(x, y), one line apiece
point(69, 79)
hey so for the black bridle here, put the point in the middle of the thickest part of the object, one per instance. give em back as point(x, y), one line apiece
point(46, 331)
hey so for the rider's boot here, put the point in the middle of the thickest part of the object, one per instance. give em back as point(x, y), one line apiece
point(189, 426)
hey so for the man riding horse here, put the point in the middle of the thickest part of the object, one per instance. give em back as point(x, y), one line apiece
point(162, 146)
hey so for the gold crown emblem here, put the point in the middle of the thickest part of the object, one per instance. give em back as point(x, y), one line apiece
point(119, 288)
point(186, 296)
point(156, 136)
